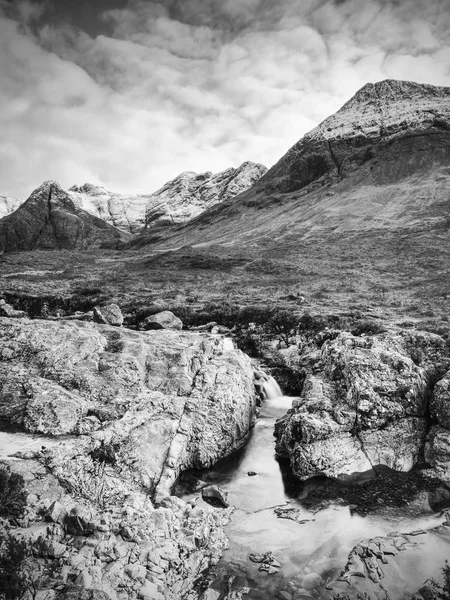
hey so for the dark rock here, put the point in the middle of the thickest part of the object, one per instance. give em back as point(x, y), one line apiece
point(215, 496)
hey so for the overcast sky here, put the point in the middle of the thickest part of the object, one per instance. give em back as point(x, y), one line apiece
point(129, 93)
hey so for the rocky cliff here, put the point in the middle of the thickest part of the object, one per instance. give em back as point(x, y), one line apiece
point(367, 402)
point(190, 193)
point(50, 220)
point(116, 416)
point(124, 211)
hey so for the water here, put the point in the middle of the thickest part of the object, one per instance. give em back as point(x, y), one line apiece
point(14, 440)
point(312, 554)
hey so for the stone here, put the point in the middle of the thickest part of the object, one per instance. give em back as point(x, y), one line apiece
point(212, 494)
point(437, 450)
point(163, 320)
point(108, 314)
point(6, 310)
point(56, 513)
point(367, 406)
point(440, 401)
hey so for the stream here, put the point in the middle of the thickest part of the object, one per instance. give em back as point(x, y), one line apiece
point(312, 554)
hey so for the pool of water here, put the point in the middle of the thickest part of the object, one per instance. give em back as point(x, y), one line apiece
point(311, 554)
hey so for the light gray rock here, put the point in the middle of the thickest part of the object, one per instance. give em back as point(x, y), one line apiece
point(6, 310)
point(109, 314)
point(366, 405)
point(163, 320)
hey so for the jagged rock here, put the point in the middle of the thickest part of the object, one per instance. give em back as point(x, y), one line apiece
point(57, 513)
point(190, 193)
point(109, 314)
point(50, 220)
point(212, 494)
point(366, 407)
point(163, 320)
point(6, 310)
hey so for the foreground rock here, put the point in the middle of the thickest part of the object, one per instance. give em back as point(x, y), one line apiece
point(109, 314)
point(365, 405)
point(134, 410)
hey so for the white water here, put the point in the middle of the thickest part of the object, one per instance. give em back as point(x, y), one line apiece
point(314, 553)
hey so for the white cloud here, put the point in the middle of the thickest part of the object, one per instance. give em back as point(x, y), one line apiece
point(177, 86)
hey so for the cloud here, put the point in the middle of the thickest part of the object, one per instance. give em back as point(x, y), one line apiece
point(195, 84)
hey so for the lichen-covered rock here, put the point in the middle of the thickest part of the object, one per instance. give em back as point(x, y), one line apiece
point(6, 310)
point(162, 320)
point(365, 405)
point(437, 450)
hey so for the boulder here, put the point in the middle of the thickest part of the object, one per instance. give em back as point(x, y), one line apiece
point(212, 494)
point(365, 405)
point(163, 320)
point(109, 314)
point(437, 450)
point(6, 310)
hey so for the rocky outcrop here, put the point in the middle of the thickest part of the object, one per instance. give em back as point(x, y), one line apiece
point(49, 220)
point(190, 193)
point(124, 211)
point(126, 413)
point(365, 404)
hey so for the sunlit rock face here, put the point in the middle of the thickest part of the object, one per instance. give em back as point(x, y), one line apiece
point(366, 404)
point(119, 415)
point(49, 220)
point(190, 193)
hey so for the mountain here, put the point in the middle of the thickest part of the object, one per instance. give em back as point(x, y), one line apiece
point(124, 211)
point(178, 201)
point(382, 162)
point(8, 205)
point(50, 220)
point(189, 194)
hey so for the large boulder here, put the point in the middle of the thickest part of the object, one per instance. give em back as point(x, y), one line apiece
point(365, 405)
point(440, 401)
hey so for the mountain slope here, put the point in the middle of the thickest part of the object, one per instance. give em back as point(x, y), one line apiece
point(49, 220)
point(381, 162)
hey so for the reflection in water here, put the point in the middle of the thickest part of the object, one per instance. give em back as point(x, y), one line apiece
point(312, 554)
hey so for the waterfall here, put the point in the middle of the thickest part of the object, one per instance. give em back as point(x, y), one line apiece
point(272, 389)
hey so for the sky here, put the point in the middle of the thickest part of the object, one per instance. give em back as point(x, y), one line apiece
point(129, 93)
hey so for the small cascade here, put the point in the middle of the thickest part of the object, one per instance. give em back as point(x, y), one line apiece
point(271, 389)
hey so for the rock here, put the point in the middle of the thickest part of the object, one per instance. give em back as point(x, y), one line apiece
point(190, 193)
point(109, 314)
point(52, 409)
point(162, 320)
point(50, 220)
point(252, 473)
point(56, 513)
point(437, 450)
point(367, 406)
point(212, 494)
point(6, 310)
point(440, 401)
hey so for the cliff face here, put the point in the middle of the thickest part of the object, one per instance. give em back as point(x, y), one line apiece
point(190, 193)
point(49, 220)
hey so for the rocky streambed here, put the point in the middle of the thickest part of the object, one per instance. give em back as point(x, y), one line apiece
point(100, 422)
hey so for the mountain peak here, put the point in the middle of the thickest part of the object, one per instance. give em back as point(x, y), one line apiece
point(390, 90)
